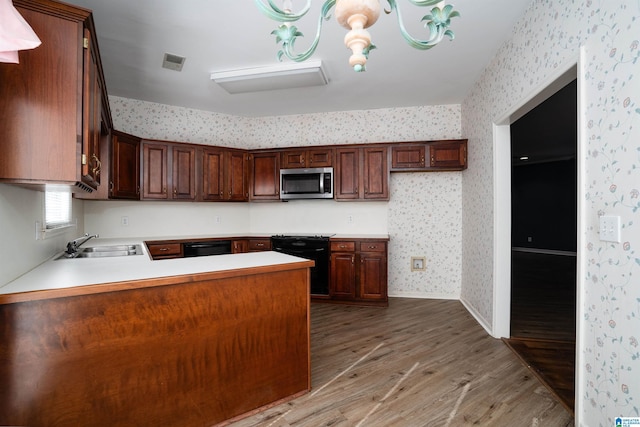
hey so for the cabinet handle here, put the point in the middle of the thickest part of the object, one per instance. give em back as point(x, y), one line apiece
point(372, 247)
point(163, 249)
point(96, 169)
point(175, 191)
point(353, 259)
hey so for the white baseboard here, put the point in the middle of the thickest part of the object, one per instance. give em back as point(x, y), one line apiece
point(478, 317)
point(422, 295)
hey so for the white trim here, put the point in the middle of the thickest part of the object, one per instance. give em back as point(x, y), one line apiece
point(476, 316)
point(501, 321)
point(502, 192)
point(581, 226)
point(423, 295)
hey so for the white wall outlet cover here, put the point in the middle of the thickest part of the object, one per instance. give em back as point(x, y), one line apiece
point(418, 264)
point(610, 228)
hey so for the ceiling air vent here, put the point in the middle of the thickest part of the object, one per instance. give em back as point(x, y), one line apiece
point(173, 62)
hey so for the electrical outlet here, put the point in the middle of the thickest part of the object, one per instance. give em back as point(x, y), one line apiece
point(418, 264)
point(349, 219)
point(124, 221)
point(610, 228)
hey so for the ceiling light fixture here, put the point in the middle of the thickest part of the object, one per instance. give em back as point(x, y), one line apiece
point(355, 15)
point(281, 76)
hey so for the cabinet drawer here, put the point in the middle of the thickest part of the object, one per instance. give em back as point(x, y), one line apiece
point(373, 246)
point(165, 249)
point(343, 246)
point(259, 245)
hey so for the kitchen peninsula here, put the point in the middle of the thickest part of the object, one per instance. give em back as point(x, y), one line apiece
point(131, 341)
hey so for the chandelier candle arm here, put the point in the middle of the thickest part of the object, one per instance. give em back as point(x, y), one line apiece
point(356, 15)
point(437, 23)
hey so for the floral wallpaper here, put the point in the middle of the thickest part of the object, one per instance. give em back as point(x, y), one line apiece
point(423, 215)
point(603, 37)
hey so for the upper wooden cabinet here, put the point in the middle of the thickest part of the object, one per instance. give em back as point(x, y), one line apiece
point(168, 171)
point(154, 174)
point(362, 173)
point(265, 176)
point(311, 158)
point(408, 156)
point(183, 179)
point(124, 182)
point(448, 154)
point(54, 105)
point(224, 175)
point(429, 156)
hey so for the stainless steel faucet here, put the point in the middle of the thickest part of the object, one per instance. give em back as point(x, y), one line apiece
point(74, 245)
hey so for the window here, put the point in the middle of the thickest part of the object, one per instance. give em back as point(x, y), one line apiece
point(57, 209)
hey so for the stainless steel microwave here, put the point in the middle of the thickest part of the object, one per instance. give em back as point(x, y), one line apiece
point(313, 183)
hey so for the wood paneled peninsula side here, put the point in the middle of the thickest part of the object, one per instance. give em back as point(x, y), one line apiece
point(129, 341)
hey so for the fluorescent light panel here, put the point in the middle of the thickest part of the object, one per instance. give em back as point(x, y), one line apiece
point(275, 77)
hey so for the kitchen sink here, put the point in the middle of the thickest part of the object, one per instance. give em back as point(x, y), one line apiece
point(105, 251)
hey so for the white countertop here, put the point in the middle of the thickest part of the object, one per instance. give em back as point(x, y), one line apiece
point(68, 273)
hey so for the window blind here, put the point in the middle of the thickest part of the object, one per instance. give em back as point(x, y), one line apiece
point(57, 206)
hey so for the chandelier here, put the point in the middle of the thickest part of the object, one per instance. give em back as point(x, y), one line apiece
point(355, 15)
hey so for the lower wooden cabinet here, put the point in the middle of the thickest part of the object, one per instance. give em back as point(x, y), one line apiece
point(261, 244)
point(165, 250)
point(358, 271)
point(239, 246)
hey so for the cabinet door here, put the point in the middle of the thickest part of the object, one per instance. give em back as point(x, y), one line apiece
point(347, 172)
point(165, 250)
point(293, 159)
point(407, 157)
point(240, 246)
point(448, 155)
point(39, 101)
point(376, 173)
point(236, 172)
point(91, 115)
point(154, 171)
point(258, 245)
point(343, 275)
point(212, 174)
point(184, 172)
point(265, 176)
point(373, 276)
point(320, 158)
point(125, 166)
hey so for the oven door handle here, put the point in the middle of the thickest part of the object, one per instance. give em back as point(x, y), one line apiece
point(294, 251)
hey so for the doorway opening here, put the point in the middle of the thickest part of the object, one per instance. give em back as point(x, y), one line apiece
point(543, 241)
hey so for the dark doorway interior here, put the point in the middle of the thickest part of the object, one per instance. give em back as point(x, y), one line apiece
point(543, 240)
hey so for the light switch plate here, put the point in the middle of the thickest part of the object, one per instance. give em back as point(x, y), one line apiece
point(610, 228)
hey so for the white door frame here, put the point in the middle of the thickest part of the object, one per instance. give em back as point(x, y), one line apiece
point(501, 322)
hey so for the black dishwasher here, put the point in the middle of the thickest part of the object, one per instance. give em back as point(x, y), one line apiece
point(315, 248)
point(210, 247)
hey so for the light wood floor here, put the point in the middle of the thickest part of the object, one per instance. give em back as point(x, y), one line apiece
point(416, 363)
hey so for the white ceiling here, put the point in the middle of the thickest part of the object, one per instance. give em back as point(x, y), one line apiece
point(219, 35)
